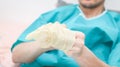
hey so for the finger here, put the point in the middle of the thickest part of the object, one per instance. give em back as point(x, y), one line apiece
point(75, 51)
point(64, 25)
point(80, 35)
point(78, 43)
point(80, 38)
point(70, 52)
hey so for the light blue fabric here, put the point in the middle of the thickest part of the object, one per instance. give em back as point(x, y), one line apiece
point(102, 36)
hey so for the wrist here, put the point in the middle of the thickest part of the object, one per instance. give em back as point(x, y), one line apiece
point(88, 59)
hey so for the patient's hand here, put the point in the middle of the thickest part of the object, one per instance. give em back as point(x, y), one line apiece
point(84, 56)
point(78, 45)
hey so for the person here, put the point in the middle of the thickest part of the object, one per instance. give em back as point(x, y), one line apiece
point(100, 26)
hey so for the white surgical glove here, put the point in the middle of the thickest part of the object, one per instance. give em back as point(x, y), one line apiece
point(55, 35)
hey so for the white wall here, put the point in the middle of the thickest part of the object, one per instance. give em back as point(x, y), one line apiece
point(27, 10)
point(16, 15)
point(113, 4)
point(23, 10)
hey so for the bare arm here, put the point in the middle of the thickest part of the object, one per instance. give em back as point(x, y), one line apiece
point(88, 59)
point(27, 52)
point(83, 55)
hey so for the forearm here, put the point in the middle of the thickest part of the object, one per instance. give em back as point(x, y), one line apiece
point(88, 59)
point(26, 52)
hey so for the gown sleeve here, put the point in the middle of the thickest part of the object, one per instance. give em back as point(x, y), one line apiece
point(114, 57)
point(43, 19)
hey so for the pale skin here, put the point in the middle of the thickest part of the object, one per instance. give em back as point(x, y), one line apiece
point(83, 55)
point(79, 52)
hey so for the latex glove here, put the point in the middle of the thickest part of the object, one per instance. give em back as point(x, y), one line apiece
point(55, 35)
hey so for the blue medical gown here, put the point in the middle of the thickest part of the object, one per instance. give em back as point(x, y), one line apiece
point(102, 36)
